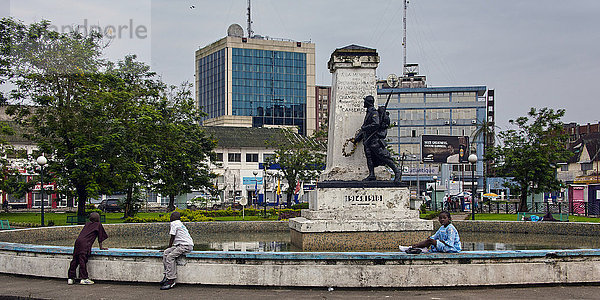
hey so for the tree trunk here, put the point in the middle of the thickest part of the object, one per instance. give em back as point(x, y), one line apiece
point(289, 199)
point(171, 206)
point(128, 207)
point(70, 200)
point(523, 203)
point(81, 200)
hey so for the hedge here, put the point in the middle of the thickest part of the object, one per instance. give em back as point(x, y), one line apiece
point(209, 215)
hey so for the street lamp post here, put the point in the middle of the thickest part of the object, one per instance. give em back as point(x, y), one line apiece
point(42, 162)
point(434, 192)
point(418, 181)
point(473, 160)
point(256, 187)
point(270, 175)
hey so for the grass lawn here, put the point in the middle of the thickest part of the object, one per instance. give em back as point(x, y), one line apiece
point(246, 218)
point(583, 219)
point(513, 217)
point(495, 217)
point(60, 219)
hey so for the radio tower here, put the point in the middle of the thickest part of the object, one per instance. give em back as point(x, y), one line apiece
point(251, 33)
point(403, 37)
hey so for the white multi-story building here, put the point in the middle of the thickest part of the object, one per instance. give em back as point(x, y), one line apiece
point(241, 152)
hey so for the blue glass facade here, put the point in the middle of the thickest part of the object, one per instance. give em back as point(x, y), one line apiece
point(270, 86)
point(211, 87)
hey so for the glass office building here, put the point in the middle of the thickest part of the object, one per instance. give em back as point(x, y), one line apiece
point(211, 93)
point(269, 81)
point(270, 86)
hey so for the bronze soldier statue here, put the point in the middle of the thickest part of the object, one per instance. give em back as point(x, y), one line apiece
point(373, 133)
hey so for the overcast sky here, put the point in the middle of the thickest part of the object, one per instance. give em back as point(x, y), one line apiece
point(541, 53)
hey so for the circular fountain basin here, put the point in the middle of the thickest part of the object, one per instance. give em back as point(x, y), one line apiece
point(28, 252)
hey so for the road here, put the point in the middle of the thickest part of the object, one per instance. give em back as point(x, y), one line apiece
point(24, 287)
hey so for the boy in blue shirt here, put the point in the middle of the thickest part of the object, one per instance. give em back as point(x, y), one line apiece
point(446, 239)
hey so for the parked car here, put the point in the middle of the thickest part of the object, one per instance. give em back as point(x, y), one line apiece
point(204, 202)
point(110, 205)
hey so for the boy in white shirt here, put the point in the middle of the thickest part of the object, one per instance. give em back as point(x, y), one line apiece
point(181, 243)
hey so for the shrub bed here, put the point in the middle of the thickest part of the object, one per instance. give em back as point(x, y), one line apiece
point(430, 215)
point(210, 215)
point(303, 205)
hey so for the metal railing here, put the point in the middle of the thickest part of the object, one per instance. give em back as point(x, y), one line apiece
point(574, 208)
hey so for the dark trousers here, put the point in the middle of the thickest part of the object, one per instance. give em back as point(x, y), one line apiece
point(81, 260)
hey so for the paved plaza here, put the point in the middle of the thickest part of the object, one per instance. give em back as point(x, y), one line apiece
point(24, 287)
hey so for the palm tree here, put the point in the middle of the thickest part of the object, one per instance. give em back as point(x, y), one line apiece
point(485, 130)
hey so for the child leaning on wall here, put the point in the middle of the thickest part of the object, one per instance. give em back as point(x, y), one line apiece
point(446, 239)
point(83, 248)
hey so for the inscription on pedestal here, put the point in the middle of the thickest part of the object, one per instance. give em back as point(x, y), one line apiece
point(352, 86)
point(391, 198)
point(362, 200)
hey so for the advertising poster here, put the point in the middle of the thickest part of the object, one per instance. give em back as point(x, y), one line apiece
point(445, 149)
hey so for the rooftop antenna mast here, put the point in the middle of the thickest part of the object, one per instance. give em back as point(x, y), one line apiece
point(250, 32)
point(404, 36)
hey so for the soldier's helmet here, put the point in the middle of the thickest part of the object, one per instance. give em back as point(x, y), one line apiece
point(369, 100)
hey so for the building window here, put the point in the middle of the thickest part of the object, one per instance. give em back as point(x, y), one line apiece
point(219, 157)
point(268, 156)
point(586, 166)
point(234, 157)
point(564, 167)
point(251, 157)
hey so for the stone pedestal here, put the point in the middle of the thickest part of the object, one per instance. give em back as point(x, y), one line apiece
point(353, 68)
point(348, 214)
point(358, 215)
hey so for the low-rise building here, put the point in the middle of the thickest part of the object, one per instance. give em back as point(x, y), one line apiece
point(241, 153)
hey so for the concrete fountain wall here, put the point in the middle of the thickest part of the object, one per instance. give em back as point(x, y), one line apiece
point(338, 269)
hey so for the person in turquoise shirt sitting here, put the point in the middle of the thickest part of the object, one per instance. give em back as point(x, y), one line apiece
point(446, 239)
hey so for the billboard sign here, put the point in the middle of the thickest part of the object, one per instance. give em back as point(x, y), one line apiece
point(421, 170)
point(454, 187)
point(444, 149)
point(252, 180)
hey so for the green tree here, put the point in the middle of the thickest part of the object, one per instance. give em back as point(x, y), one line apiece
point(11, 181)
point(134, 128)
point(105, 127)
point(183, 147)
point(58, 91)
point(300, 158)
point(530, 152)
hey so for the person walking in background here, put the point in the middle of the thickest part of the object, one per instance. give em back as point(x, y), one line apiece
point(181, 243)
point(83, 248)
